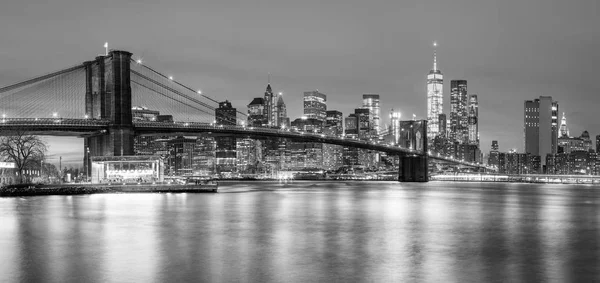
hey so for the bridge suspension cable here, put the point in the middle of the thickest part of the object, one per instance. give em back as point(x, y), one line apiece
point(150, 88)
point(60, 93)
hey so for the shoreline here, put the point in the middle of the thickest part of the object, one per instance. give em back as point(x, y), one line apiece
point(47, 190)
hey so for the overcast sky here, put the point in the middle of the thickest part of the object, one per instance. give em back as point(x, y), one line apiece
point(508, 51)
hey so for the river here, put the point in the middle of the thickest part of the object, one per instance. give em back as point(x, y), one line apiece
point(308, 232)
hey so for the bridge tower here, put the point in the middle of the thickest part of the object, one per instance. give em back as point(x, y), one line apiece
point(108, 97)
point(414, 167)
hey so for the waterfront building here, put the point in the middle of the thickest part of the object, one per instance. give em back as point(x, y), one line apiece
point(332, 154)
point(306, 154)
point(371, 102)
point(315, 105)
point(473, 121)
point(458, 111)
point(435, 91)
point(225, 153)
point(541, 126)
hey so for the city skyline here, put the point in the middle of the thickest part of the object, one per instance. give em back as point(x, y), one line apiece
point(232, 63)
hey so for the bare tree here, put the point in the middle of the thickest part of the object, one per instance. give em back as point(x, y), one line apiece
point(24, 149)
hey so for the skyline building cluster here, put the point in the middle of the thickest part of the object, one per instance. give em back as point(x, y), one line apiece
point(457, 134)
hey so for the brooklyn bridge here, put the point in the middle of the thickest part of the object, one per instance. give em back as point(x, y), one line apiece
point(93, 100)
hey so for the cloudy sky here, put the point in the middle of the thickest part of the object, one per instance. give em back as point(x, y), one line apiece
point(507, 50)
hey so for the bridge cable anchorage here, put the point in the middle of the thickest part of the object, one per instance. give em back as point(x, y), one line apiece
point(172, 90)
point(184, 86)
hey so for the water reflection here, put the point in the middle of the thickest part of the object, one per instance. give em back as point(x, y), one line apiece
point(303, 231)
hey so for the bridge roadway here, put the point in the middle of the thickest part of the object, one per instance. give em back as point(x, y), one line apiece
point(91, 127)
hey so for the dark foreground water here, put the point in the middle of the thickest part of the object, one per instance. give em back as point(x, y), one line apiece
point(308, 232)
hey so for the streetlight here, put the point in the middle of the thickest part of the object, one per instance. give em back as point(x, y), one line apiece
point(199, 92)
point(170, 77)
point(55, 115)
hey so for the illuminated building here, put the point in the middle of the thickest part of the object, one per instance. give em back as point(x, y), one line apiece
point(249, 155)
point(442, 124)
point(493, 157)
point(139, 113)
point(395, 125)
point(541, 126)
point(350, 154)
point(371, 102)
point(127, 169)
point(315, 105)
point(473, 125)
point(564, 131)
point(458, 111)
point(435, 91)
point(270, 109)
point(332, 154)
point(256, 115)
point(191, 156)
point(598, 143)
point(225, 153)
point(306, 154)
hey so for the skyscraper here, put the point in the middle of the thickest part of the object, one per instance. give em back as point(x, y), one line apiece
point(225, 152)
point(371, 102)
point(442, 125)
point(564, 131)
point(435, 91)
point(256, 113)
point(458, 111)
point(473, 126)
point(281, 110)
point(541, 126)
point(315, 105)
point(270, 110)
point(395, 125)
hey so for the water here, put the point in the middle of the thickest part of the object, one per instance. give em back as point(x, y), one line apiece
point(308, 232)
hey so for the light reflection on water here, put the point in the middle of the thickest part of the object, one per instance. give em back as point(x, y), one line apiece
point(308, 232)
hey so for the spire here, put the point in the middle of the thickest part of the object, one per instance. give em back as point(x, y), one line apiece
point(434, 56)
point(269, 83)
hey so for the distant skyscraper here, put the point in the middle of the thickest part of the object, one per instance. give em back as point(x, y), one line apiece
point(435, 91)
point(315, 105)
point(395, 125)
point(335, 120)
point(473, 126)
point(564, 131)
point(458, 111)
point(495, 145)
point(281, 110)
point(371, 102)
point(332, 154)
point(598, 143)
point(541, 126)
point(442, 120)
point(270, 109)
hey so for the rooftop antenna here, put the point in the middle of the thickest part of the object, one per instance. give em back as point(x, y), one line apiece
point(106, 48)
point(434, 56)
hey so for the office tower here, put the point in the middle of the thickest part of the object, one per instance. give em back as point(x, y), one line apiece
point(256, 114)
point(442, 124)
point(458, 111)
point(335, 120)
point(306, 154)
point(435, 91)
point(282, 119)
point(270, 109)
point(598, 143)
point(315, 105)
point(364, 123)
point(371, 102)
point(541, 126)
point(495, 145)
point(494, 155)
point(350, 154)
point(395, 125)
point(225, 153)
point(473, 125)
